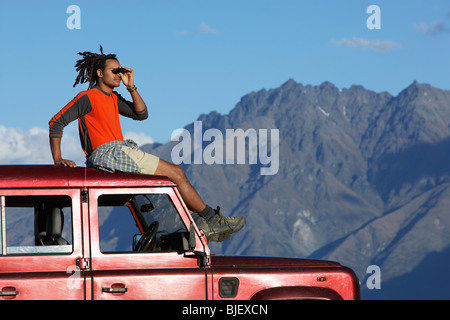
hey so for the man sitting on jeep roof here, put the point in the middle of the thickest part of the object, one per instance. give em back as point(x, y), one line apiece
point(97, 111)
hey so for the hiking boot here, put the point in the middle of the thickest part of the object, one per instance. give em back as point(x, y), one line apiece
point(222, 227)
point(202, 225)
point(219, 228)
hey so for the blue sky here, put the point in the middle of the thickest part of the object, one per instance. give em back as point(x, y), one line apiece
point(196, 56)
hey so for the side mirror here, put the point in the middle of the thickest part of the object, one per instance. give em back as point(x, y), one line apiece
point(202, 256)
point(192, 243)
point(148, 207)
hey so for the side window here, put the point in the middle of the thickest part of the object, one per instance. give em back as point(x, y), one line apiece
point(36, 225)
point(123, 219)
point(117, 225)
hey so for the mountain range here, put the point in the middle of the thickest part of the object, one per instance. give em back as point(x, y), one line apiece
point(363, 178)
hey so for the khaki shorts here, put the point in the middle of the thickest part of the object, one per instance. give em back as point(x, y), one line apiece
point(145, 161)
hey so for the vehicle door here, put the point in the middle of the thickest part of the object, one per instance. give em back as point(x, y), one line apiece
point(40, 245)
point(121, 268)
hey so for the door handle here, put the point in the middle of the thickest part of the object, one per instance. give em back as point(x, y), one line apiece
point(9, 291)
point(116, 288)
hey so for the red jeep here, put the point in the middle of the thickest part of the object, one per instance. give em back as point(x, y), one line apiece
point(77, 233)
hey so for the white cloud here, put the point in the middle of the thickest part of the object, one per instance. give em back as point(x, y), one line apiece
point(32, 147)
point(203, 28)
point(433, 29)
point(19, 146)
point(139, 138)
point(181, 33)
point(206, 29)
point(361, 43)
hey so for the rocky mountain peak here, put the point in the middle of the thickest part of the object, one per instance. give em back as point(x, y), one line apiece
point(361, 176)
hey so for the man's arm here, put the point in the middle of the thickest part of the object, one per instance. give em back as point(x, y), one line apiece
point(55, 147)
point(128, 109)
point(138, 103)
point(78, 107)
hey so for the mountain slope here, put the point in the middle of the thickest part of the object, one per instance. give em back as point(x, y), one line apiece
point(362, 178)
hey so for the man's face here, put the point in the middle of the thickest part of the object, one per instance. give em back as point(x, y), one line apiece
point(107, 77)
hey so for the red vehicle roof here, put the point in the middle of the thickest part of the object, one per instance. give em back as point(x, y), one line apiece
point(51, 176)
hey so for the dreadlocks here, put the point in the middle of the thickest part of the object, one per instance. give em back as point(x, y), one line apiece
point(87, 66)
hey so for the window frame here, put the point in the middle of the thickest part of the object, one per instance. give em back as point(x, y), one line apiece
point(138, 260)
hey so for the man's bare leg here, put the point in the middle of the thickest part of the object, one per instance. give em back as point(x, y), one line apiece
point(187, 191)
point(216, 227)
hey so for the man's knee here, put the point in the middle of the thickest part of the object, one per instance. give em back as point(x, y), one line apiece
point(178, 172)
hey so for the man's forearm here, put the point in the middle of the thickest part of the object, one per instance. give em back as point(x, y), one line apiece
point(138, 102)
point(55, 147)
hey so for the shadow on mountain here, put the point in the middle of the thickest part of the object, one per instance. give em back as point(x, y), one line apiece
point(428, 281)
point(428, 161)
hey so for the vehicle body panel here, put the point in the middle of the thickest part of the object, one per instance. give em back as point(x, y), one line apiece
point(87, 271)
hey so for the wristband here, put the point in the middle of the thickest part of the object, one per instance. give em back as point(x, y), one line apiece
point(130, 90)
